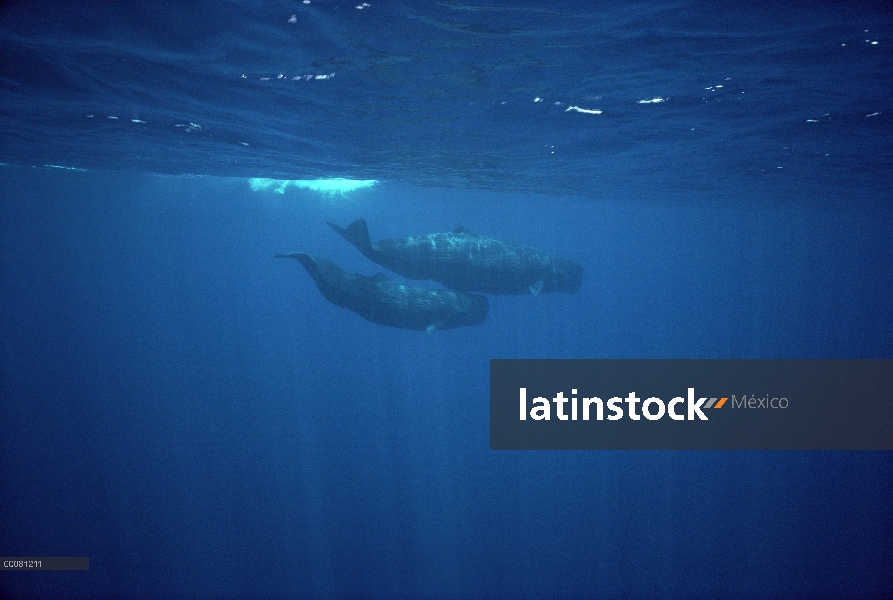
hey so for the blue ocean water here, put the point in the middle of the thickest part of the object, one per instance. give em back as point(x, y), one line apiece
point(195, 417)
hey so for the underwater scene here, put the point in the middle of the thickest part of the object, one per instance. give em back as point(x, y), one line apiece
point(256, 258)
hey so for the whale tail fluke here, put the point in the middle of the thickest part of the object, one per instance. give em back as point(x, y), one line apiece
point(357, 233)
point(308, 261)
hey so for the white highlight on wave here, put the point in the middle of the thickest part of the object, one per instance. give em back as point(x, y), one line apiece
point(588, 111)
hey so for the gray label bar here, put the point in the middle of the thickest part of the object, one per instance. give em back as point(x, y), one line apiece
point(691, 404)
point(45, 563)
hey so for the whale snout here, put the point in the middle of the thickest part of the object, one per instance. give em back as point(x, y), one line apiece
point(573, 277)
point(478, 307)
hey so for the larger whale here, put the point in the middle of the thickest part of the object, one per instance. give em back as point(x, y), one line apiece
point(467, 262)
point(386, 301)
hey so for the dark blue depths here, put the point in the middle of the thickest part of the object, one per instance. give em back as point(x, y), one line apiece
point(195, 417)
point(192, 415)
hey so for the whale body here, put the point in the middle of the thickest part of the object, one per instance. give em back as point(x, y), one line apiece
point(385, 301)
point(467, 262)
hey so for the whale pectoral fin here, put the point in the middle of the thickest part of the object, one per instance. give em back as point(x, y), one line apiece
point(431, 328)
point(536, 287)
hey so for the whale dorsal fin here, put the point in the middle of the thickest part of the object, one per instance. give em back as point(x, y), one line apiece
point(431, 328)
point(536, 287)
point(463, 229)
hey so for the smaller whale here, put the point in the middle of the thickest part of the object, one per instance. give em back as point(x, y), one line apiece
point(385, 301)
point(467, 262)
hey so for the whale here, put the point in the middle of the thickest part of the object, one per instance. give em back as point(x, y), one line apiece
point(386, 301)
point(465, 261)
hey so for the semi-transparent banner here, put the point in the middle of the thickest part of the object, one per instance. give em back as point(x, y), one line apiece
point(691, 404)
